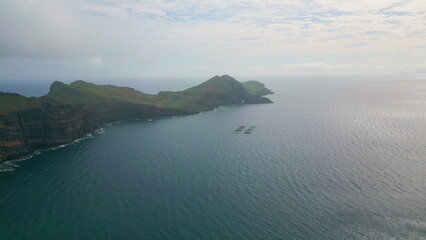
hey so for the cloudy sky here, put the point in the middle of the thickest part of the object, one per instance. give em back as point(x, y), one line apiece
point(81, 39)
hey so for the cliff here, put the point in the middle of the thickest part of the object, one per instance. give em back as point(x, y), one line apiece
point(49, 125)
point(70, 111)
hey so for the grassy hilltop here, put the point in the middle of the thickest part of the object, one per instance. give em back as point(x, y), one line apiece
point(219, 90)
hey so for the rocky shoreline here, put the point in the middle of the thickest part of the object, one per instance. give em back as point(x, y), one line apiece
point(70, 112)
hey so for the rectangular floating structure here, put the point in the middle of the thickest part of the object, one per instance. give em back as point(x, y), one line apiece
point(239, 129)
point(249, 130)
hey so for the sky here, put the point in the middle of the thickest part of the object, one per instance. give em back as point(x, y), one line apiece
point(80, 39)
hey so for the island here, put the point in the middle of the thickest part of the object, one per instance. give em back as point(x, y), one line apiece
point(71, 111)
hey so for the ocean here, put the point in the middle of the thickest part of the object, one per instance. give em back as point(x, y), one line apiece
point(331, 158)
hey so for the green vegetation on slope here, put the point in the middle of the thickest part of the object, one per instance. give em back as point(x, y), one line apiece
point(256, 88)
point(219, 90)
point(81, 92)
point(11, 102)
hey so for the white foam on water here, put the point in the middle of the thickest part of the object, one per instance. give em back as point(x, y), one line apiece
point(10, 165)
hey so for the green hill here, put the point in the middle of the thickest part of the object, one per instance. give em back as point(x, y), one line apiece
point(256, 88)
point(217, 91)
point(12, 102)
point(81, 92)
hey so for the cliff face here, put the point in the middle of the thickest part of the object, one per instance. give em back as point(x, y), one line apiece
point(55, 123)
point(50, 125)
point(70, 112)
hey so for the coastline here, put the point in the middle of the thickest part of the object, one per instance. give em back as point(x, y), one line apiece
point(71, 111)
point(8, 164)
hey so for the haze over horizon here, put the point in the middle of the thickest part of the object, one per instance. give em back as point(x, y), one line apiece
point(83, 39)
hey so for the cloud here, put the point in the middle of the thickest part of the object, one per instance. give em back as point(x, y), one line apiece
point(43, 28)
point(318, 66)
point(95, 61)
point(156, 37)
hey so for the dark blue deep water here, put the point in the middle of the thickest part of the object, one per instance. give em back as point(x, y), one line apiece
point(329, 159)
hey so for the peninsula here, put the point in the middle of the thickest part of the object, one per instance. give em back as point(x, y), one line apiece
point(71, 111)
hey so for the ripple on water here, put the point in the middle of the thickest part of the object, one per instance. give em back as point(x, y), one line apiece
point(11, 165)
point(326, 161)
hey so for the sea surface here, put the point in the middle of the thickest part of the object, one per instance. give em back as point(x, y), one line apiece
point(331, 158)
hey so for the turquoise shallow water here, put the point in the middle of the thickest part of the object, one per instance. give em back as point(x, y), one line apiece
point(330, 159)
